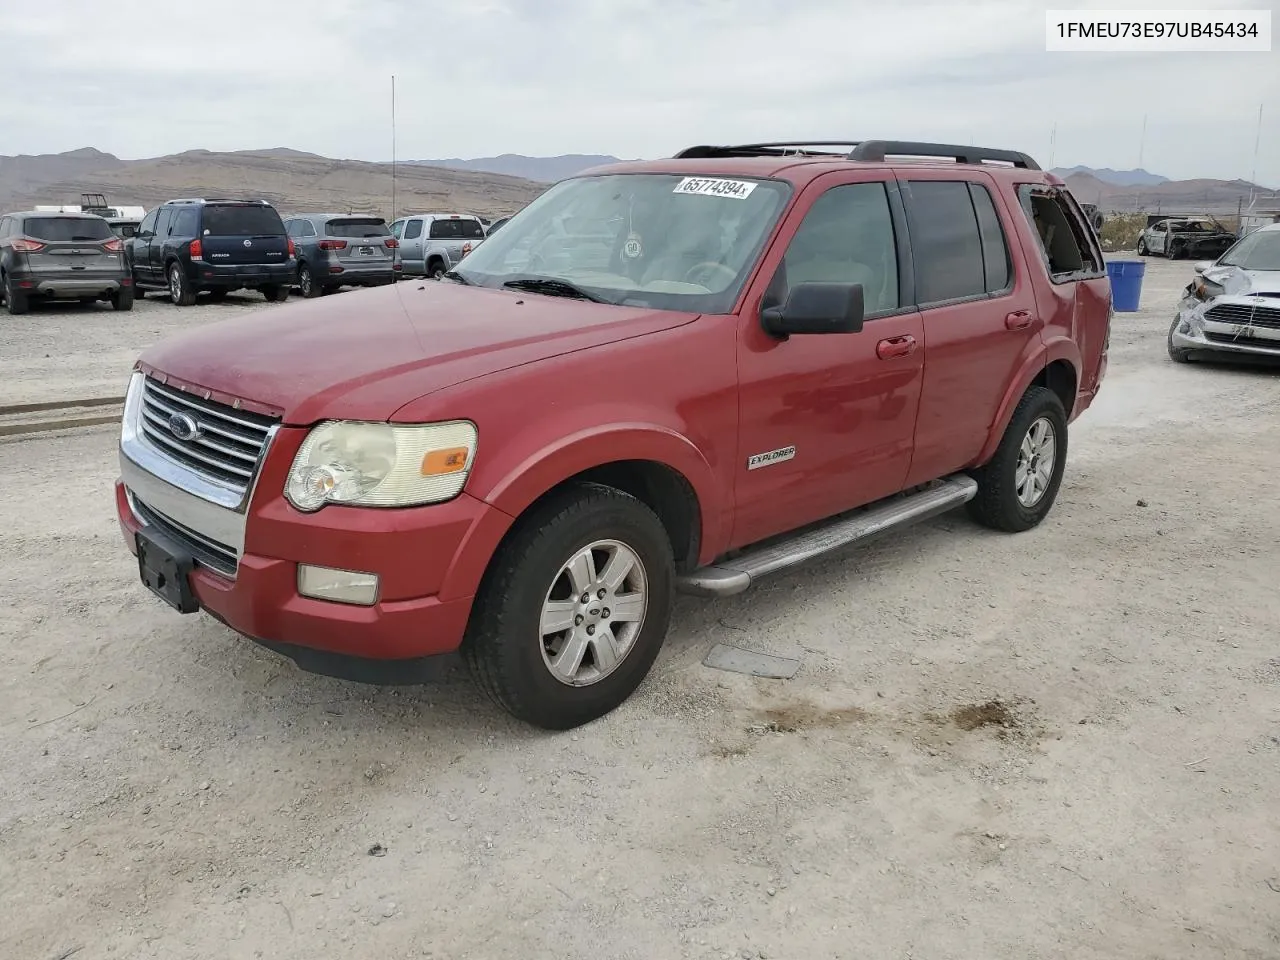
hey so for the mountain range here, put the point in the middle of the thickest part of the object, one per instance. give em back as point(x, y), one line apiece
point(296, 182)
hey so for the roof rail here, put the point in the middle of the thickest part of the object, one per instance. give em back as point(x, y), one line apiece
point(875, 151)
point(867, 151)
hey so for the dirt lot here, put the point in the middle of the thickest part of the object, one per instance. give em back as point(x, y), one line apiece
point(1063, 744)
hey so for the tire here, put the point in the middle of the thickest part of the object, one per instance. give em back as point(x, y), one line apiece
point(307, 285)
point(218, 294)
point(16, 303)
point(1177, 354)
point(122, 299)
point(180, 292)
point(1172, 251)
point(509, 656)
point(436, 269)
point(998, 504)
point(276, 294)
point(1142, 247)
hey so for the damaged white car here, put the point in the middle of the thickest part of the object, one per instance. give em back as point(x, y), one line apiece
point(1232, 307)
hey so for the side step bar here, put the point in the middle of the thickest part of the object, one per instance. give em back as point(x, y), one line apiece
point(732, 576)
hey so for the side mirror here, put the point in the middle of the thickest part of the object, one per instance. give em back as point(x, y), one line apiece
point(1203, 265)
point(816, 308)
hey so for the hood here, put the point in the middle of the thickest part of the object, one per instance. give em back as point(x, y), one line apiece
point(1242, 283)
point(363, 355)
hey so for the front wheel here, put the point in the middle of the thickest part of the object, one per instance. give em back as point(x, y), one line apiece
point(1142, 246)
point(1017, 488)
point(573, 609)
point(1177, 354)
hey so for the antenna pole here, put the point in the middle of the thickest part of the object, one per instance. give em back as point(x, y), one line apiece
point(393, 146)
point(1053, 144)
point(1142, 143)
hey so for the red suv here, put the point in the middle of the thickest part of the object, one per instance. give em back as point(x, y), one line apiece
point(678, 374)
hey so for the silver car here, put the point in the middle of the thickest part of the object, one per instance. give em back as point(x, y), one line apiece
point(342, 250)
point(433, 243)
point(1232, 307)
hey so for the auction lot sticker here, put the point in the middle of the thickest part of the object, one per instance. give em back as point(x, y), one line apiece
point(715, 187)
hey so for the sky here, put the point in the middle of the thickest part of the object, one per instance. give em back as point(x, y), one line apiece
point(632, 78)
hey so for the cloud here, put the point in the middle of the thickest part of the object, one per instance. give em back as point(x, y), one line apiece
point(630, 77)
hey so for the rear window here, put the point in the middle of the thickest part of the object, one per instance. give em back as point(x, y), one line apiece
point(66, 229)
point(356, 228)
point(456, 230)
point(226, 220)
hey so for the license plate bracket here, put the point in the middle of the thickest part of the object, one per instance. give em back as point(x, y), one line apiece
point(165, 568)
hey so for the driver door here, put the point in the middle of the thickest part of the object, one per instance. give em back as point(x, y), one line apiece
point(827, 421)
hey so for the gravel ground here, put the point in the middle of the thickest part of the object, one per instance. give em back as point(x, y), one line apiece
point(1062, 744)
point(73, 351)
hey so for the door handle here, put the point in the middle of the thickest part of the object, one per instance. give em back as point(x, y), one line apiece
point(896, 347)
point(1018, 320)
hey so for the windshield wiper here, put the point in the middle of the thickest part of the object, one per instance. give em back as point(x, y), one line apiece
point(455, 275)
point(553, 288)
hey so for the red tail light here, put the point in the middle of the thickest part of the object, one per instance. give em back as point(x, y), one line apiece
point(196, 250)
point(331, 244)
point(292, 249)
point(113, 245)
point(391, 243)
point(27, 246)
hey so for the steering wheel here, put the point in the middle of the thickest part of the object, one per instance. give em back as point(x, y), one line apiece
point(709, 266)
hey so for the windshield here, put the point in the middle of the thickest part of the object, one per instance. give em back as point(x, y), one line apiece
point(227, 220)
point(1257, 251)
point(367, 227)
point(67, 229)
point(655, 240)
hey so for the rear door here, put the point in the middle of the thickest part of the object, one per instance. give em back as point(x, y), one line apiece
point(68, 246)
point(243, 234)
point(365, 240)
point(156, 245)
point(138, 248)
point(979, 310)
point(458, 235)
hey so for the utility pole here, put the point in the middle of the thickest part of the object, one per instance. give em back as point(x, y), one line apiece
point(1053, 144)
point(1142, 143)
point(1257, 141)
point(393, 146)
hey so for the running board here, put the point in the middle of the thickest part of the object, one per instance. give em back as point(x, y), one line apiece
point(737, 574)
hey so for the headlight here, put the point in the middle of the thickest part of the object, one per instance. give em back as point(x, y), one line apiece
point(381, 464)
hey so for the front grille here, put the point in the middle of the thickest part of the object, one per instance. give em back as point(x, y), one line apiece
point(227, 445)
point(1241, 341)
point(1241, 313)
point(206, 551)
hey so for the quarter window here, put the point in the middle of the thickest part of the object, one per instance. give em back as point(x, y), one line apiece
point(185, 223)
point(846, 237)
point(1067, 250)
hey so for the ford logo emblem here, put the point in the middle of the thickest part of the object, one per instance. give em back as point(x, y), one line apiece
point(184, 427)
point(248, 243)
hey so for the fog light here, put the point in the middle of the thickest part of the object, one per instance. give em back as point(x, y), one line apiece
point(340, 586)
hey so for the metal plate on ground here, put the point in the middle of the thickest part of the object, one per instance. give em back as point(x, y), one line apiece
point(736, 660)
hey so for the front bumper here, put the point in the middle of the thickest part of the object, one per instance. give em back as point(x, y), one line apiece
point(1192, 331)
point(209, 276)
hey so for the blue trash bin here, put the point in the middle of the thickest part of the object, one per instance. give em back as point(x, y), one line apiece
point(1126, 284)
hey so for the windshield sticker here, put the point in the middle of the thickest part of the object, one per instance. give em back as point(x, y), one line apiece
point(715, 187)
point(633, 249)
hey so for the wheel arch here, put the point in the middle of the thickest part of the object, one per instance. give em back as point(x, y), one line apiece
point(1057, 367)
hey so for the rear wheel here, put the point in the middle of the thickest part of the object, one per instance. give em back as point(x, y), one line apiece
point(1172, 250)
point(1017, 488)
point(436, 269)
point(122, 299)
point(180, 292)
point(307, 285)
point(574, 608)
point(276, 294)
point(15, 301)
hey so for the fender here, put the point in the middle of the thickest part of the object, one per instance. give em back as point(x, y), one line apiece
point(1059, 348)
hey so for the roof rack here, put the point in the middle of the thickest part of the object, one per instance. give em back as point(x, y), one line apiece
point(867, 151)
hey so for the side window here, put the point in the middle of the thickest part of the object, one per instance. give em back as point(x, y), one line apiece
point(946, 242)
point(397, 229)
point(4, 227)
point(185, 223)
point(413, 230)
point(995, 248)
point(163, 221)
point(148, 224)
point(293, 228)
point(846, 237)
point(1159, 228)
point(1066, 249)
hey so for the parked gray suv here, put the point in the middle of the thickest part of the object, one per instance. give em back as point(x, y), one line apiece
point(61, 256)
point(433, 243)
point(339, 250)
